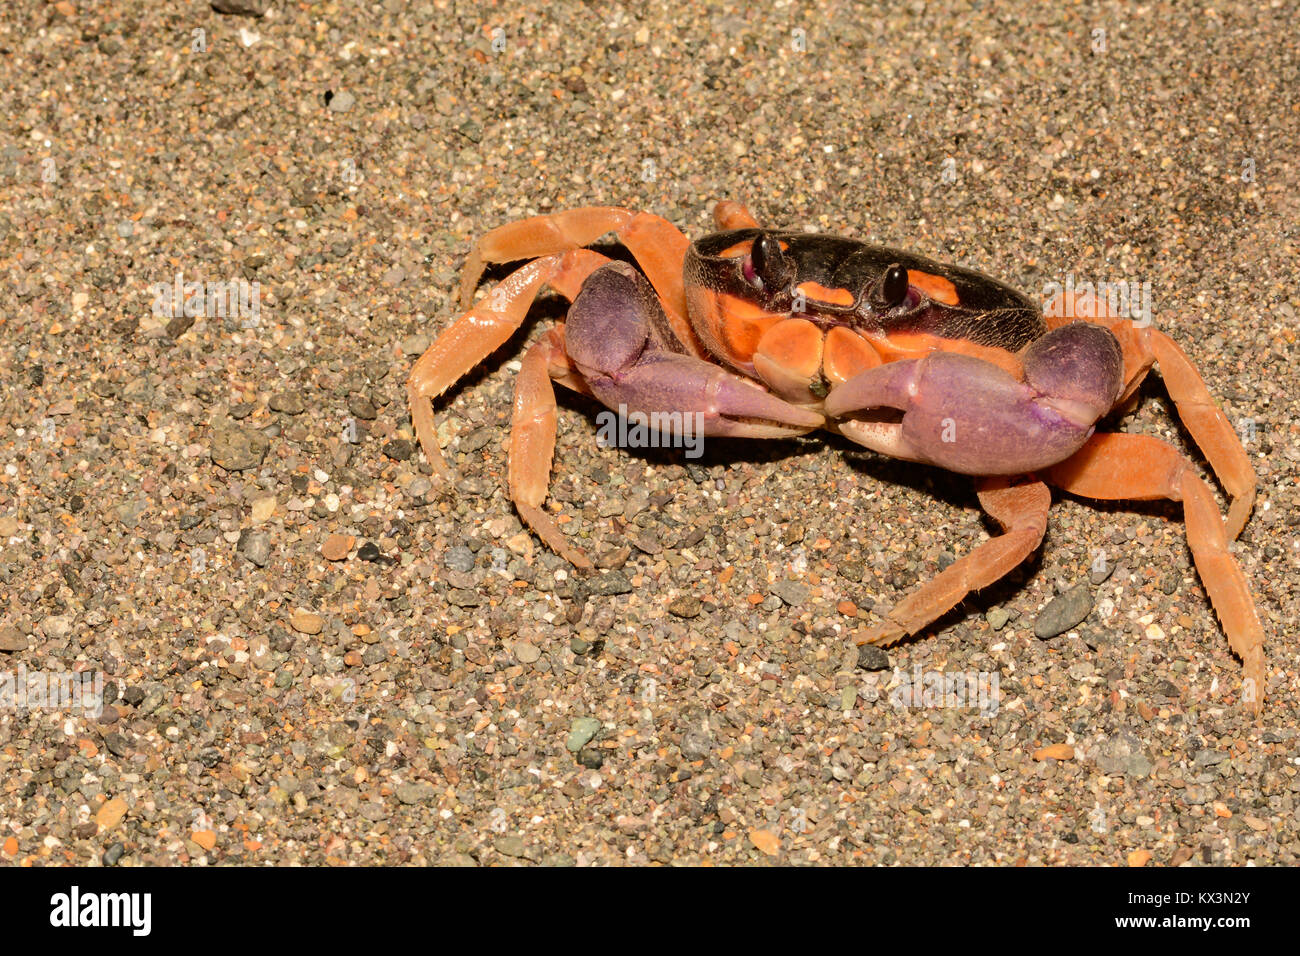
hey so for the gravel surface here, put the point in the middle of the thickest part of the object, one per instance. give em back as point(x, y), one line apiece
point(313, 652)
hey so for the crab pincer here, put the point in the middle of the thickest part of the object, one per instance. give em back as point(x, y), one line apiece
point(970, 416)
point(618, 338)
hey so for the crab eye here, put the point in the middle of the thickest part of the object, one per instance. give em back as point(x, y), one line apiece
point(893, 288)
point(767, 266)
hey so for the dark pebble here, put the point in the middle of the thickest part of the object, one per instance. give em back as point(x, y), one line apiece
point(370, 552)
point(872, 658)
point(475, 439)
point(179, 326)
point(615, 582)
point(1063, 612)
point(361, 408)
point(399, 449)
point(255, 546)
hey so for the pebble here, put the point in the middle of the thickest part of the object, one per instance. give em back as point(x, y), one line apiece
point(1100, 573)
point(289, 403)
point(527, 653)
point(459, 558)
point(686, 606)
point(1123, 753)
point(249, 8)
point(256, 546)
point(236, 448)
point(1066, 610)
point(581, 731)
point(306, 622)
point(696, 745)
point(342, 101)
point(399, 449)
point(464, 597)
point(12, 639)
point(337, 546)
point(418, 488)
point(872, 658)
point(511, 846)
point(612, 582)
point(791, 592)
point(1054, 752)
point(475, 439)
point(111, 813)
point(415, 793)
point(262, 509)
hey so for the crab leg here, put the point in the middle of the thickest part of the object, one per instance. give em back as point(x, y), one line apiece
point(1021, 510)
point(729, 214)
point(482, 330)
point(532, 438)
point(1209, 427)
point(658, 246)
point(1138, 467)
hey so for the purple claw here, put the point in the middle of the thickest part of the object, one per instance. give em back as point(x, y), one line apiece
point(618, 336)
point(967, 415)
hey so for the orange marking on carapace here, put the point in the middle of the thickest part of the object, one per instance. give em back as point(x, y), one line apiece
point(819, 293)
point(845, 354)
point(735, 325)
point(742, 248)
point(912, 345)
point(789, 358)
point(936, 287)
point(795, 345)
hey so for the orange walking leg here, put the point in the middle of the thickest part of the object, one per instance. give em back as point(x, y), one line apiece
point(1142, 468)
point(1021, 509)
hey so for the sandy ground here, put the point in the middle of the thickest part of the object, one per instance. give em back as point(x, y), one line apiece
point(313, 651)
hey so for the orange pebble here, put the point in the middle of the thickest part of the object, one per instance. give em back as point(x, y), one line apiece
point(1054, 752)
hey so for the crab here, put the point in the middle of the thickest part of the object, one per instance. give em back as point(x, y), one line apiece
point(763, 333)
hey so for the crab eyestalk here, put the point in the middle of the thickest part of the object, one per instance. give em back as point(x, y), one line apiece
point(769, 267)
point(893, 287)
